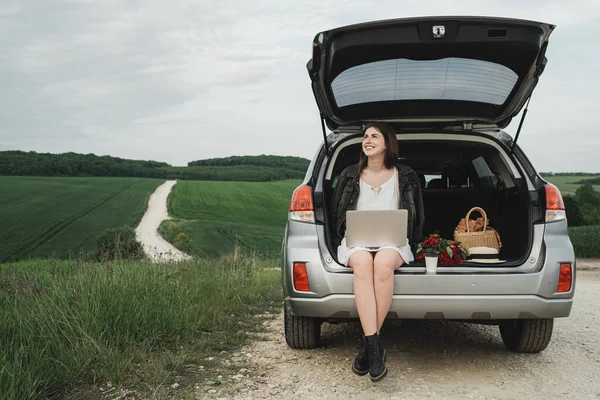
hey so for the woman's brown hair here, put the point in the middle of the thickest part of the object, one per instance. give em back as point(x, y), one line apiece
point(391, 147)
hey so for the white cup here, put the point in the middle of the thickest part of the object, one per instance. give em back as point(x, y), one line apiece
point(431, 263)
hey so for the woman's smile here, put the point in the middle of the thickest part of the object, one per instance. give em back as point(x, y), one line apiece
point(373, 142)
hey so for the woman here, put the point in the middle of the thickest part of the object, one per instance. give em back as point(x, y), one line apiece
point(378, 181)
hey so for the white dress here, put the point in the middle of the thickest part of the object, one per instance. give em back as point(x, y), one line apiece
point(384, 198)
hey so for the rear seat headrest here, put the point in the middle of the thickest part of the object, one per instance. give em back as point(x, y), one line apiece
point(436, 183)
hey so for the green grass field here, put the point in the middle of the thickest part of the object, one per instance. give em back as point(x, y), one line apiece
point(217, 215)
point(45, 216)
point(566, 184)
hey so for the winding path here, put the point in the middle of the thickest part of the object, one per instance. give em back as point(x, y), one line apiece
point(157, 248)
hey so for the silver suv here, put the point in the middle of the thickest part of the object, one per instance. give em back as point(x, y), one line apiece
point(448, 85)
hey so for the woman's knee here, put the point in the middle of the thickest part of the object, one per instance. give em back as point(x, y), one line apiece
point(386, 261)
point(362, 264)
point(383, 273)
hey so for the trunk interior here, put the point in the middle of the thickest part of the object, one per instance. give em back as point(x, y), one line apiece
point(456, 176)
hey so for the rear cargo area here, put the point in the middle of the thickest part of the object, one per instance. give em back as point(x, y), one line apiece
point(457, 175)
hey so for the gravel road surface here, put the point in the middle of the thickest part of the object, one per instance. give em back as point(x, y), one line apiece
point(428, 360)
point(156, 248)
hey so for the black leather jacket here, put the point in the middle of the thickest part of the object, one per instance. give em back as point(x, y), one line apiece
point(345, 197)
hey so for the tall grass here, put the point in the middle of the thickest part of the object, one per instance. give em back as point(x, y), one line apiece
point(586, 241)
point(68, 325)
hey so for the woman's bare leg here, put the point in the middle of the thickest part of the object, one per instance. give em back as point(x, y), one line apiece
point(385, 262)
point(364, 291)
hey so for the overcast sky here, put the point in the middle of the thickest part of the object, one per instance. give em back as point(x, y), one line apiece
point(177, 81)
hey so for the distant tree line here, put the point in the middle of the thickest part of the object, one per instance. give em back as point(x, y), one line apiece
point(247, 168)
point(72, 164)
point(285, 162)
point(590, 181)
point(248, 173)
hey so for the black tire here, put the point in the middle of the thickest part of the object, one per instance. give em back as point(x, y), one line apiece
point(301, 332)
point(527, 335)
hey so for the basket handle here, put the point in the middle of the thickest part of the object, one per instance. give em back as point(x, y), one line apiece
point(482, 211)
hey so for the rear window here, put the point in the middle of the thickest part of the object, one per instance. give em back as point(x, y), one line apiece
point(458, 79)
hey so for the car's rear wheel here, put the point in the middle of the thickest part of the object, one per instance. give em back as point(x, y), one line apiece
point(301, 332)
point(527, 335)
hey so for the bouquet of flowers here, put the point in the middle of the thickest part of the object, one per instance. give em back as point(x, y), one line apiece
point(449, 252)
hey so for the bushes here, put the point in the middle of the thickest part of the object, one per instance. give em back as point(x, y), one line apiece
point(119, 244)
point(182, 242)
point(586, 241)
point(583, 216)
point(583, 208)
point(574, 214)
point(179, 237)
point(589, 202)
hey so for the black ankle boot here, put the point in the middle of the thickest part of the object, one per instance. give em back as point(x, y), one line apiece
point(376, 354)
point(361, 361)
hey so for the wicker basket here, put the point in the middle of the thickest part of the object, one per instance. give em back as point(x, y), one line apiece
point(486, 238)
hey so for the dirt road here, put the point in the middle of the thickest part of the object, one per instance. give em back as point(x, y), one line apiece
point(429, 360)
point(156, 248)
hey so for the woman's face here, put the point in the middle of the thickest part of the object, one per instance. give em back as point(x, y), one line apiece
point(373, 143)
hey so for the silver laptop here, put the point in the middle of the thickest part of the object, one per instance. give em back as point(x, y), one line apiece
point(374, 228)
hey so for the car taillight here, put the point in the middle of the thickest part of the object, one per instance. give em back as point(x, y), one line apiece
point(565, 278)
point(301, 207)
point(555, 207)
point(301, 277)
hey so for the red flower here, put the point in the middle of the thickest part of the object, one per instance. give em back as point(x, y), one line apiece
point(445, 259)
point(449, 252)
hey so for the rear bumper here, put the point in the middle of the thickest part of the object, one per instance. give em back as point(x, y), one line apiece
point(437, 307)
point(490, 292)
